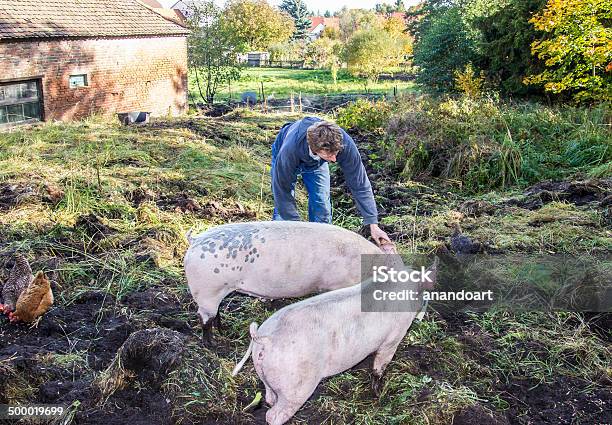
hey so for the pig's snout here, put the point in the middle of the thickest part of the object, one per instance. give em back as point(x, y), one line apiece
point(432, 273)
point(388, 248)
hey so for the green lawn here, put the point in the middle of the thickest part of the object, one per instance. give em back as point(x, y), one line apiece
point(282, 82)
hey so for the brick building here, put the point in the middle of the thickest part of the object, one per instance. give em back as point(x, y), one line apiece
point(67, 59)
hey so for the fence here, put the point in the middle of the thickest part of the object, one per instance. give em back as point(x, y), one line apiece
point(277, 64)
point(296, 103)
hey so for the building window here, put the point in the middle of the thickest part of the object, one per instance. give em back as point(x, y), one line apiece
point(20, 102)
point(79, 80)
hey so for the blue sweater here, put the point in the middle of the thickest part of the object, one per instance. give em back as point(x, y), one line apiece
point(292, 157)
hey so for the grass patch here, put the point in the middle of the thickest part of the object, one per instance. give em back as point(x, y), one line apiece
point(282, 82)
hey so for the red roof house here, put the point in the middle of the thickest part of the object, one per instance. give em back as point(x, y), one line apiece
point(63, 60)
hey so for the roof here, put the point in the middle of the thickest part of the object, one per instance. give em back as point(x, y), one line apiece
point(315, 21)
point(152, 3)
point(400, 15)
point(81, 18)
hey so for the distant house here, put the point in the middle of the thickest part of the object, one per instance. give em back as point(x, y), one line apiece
point(181, 7)
point(174, 14)
point(64, 60)
point(254, 58)
point(319, 23)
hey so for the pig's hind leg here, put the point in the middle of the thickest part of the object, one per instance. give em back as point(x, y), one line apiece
point(291, 391)
point(257, 360)
point(382, 358)
point(282, 411)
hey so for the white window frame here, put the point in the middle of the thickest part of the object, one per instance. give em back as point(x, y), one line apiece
point(85, 81)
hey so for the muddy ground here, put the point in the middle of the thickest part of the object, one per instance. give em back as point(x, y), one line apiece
point(98, 325)
point(63, 358)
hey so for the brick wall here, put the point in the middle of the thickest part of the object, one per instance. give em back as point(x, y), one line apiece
point(145, 74)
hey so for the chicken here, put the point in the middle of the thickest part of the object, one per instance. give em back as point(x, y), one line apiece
point(34, 301)
point(19, 278)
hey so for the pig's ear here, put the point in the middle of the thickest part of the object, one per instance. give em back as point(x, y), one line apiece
point(429, 286)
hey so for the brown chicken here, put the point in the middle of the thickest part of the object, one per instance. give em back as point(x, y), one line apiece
point(18, 280)
point(34, 301)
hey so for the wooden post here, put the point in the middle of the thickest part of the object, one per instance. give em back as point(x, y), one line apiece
point(292, 103)
point(263, 97)
point(300, 99)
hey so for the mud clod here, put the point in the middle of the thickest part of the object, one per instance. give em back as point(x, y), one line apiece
point(477, 414)
point(147, 355)
point(12, 195)
point(93, 227)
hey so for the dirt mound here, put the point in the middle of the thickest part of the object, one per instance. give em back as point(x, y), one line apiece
point(161, 307)
point(179, 202)
point(561, 402)
point(183, 203)
point(578, 193)
point(237, 210)
point(140, 195)
point(93, 227)
point(217, 109)
point(477, 208)
point(148, 356)
point(12, 195)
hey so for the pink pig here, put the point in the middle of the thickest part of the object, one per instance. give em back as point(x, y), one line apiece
point(303, 343)
point(271, 259)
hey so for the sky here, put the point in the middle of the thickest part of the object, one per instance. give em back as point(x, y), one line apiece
point(323, 5)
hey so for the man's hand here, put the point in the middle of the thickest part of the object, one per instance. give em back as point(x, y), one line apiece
point(379, 234)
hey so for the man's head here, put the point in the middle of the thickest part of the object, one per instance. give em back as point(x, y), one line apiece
point(325, 140)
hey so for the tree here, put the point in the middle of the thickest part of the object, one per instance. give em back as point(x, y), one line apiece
point(255, 24)
point(331, 32)
point(353, 20)
point(369, 52)
point(327, 14)
point(212, 52)
point(443, 44)
point(298, 11)
point(288, 51)
point(387, 9)
point(578, 48)
point(323, 53)
point(396, 27)
point(504, 41)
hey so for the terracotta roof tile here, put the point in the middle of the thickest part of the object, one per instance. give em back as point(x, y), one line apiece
point(81, 18)
point(327, 22)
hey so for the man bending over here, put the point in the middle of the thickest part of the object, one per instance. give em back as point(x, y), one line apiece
point(304, 148)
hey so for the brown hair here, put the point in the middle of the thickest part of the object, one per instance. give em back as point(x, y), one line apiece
point(324, 135)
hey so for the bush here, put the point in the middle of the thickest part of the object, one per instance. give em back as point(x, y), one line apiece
point(364, 114)
point(468, 83)
point(487, 145)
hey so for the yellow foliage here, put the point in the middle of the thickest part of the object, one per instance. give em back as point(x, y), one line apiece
point(469, 83)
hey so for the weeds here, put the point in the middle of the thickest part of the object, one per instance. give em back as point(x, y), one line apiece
point(487, 144)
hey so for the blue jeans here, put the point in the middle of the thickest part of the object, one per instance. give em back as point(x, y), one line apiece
point(317, 183)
